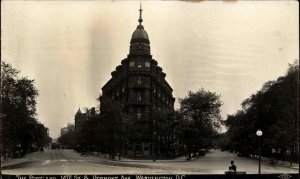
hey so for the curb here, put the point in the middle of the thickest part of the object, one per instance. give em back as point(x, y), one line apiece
point(278, 164)
point(151, 161)
point(20, 165)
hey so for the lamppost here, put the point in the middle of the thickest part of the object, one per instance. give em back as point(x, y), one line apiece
point(154, 146)
point(259, 133)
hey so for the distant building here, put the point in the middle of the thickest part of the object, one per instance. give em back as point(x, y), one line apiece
point(81, 118)
point(63, 131)
point(85, 127)
point(69, 128)
point(139, 85)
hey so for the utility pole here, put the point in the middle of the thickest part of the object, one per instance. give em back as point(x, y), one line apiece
point(154, 146)
point(0, 134)
point(0, 119)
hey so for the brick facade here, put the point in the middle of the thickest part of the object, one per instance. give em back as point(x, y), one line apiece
point(139, 85)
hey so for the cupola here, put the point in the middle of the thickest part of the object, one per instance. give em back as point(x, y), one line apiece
point(140, 44)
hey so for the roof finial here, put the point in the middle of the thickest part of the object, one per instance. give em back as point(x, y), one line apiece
point(78, 111)
point(140, 19)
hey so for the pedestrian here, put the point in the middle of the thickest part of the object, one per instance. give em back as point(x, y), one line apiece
point(22, 153)
point(233, 167)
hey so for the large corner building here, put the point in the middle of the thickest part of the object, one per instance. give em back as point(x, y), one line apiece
point(139, 85)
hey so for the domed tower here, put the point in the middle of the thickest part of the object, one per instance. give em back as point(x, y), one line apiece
point(139, 85)
point(139, 44)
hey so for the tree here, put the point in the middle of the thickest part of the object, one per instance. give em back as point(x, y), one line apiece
point(111, 125)
point(201, 119)
point(18, 96)
point(164, 124)
point(275, 110)
point(87, 131)
point(67, 139)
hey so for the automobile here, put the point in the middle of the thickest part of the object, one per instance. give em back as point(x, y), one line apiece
point(201, 153)
point(54, 146)
point(243, 154)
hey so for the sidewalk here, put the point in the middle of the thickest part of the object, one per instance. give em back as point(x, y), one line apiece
point(13, 163)
point(280, 163)
point(10, 163)
point(149, 160)
point(178, 159)
point(183, 159)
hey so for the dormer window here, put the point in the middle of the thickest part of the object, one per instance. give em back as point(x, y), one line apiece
point(147, 64)
point(131, 64)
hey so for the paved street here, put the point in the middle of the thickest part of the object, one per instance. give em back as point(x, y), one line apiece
point(70, 162)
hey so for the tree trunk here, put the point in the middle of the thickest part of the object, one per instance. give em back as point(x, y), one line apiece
point(276, 155)
point(283, 157)
point(292, 155)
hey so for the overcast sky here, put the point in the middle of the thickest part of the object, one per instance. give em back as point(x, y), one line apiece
point(71, 47)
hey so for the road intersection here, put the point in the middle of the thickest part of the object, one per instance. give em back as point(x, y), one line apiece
point(51, 162)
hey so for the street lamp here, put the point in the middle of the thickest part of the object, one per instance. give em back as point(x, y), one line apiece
point(153, 147)
point(259, 133)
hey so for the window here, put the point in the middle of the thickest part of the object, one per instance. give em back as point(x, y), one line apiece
point(138, 147)
point(117, 92)
point(139, 96)
point(139, 66)
point(139, 81)
point(131, 64)
point(123, 88)
point(138, 114)
point(147, 64)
